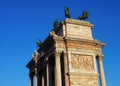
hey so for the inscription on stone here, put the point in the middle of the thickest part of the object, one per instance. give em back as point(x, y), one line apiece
point(82, 62)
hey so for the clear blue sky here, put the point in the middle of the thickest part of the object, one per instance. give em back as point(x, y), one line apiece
point(22, 22)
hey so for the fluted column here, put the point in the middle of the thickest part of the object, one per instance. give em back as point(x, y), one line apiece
point(57, 69)
point(102, 76)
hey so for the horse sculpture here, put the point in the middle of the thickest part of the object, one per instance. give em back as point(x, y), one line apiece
point(84, 15)
point(67, 14)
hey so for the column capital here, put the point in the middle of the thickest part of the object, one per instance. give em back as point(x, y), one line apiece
point(100, 57)
point(102, 77)
point(64, 53)
point(57, 53)
point(35, 56)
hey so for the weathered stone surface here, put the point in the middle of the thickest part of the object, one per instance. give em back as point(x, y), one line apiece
point(83, 80)
point(82, 62)
point(72, 53)
point(76, 29)
point(83, 46)
point(75, 38)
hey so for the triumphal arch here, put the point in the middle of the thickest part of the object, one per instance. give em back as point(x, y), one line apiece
point(69, 56)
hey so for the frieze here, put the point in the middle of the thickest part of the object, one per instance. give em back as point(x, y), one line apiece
point(83, 46)
point(82, 62)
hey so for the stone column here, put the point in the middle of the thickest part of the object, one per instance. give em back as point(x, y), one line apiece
point(47, 71)
point(57, 69)
point(66, 70)
point(42, 80)
point(35, 57)
point(102, 77)
point(36, 76)
point(31, 80)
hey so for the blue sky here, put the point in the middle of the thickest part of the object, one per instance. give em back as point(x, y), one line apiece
point(22, 22)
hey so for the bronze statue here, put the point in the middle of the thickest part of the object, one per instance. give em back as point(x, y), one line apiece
point(39, 42)
point(67, 14)
point(56, 24)
point(84, 15)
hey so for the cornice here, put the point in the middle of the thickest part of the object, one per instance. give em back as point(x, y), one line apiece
point(85, 41)
point(77, 22)
point(78, 40)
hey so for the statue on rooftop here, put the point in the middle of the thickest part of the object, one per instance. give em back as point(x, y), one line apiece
point(84, 15)
point(39, 42)
point(55, 24)
point(67, 13)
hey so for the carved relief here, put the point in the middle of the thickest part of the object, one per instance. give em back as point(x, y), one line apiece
point(83, 62)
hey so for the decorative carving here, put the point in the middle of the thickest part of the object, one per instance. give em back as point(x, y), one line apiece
point(52, 33)
point(83, 62)
point(57, 54)
point(35, 56)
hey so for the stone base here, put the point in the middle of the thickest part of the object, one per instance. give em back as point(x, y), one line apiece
point(83, 80)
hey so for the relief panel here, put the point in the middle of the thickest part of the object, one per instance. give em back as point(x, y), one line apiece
point(82, 62)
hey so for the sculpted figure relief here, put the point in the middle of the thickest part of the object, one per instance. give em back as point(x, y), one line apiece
point(83, 62)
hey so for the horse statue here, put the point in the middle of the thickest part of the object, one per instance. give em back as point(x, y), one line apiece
point(66, 10)
point(84, 15)
point(55, 24)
